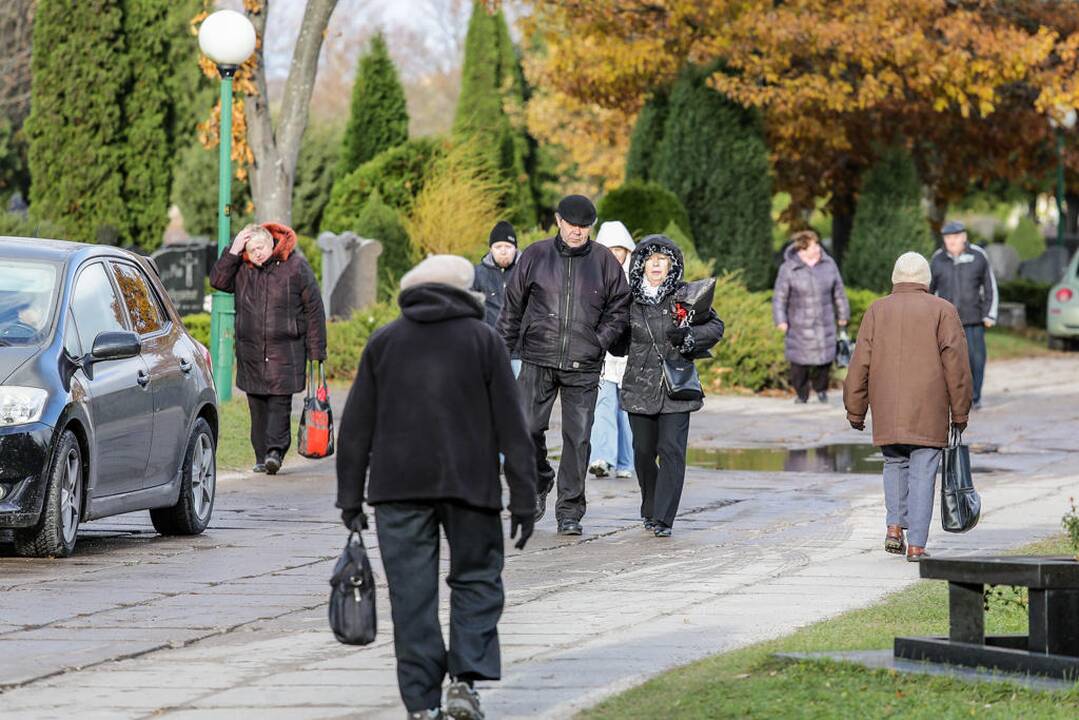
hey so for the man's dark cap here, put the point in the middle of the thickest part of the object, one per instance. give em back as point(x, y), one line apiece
point(577, 210)
point(502, 232)
point(953, 228)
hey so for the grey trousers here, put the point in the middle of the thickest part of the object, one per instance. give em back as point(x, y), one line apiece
point(910, 474)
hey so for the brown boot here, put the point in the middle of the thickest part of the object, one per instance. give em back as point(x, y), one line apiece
point(893, 541)
point(916, 554)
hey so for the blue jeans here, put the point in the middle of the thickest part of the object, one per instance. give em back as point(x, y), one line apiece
point(612, 440)
point(976, 351)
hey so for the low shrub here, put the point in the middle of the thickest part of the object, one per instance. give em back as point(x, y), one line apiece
point(750, 356)
point(1034, 296)
point(345, 339)
point(198, 324)
point(645, 208)
point(378, 221)
point(860, 300)
point(1027, 239)
point(312, 253)
point(696, 268)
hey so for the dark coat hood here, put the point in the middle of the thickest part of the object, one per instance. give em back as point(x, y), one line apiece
point(649, 246)
point(434, 302)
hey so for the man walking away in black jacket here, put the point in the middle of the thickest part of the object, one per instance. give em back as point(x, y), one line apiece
point(963, 276)
point(433, 404)
point(494, 272)
point(566, 304)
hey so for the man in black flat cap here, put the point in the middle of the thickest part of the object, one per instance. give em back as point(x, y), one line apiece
point(963, 276)
point(566, 304)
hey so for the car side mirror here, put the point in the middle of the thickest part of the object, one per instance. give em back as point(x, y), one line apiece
point(115, 345)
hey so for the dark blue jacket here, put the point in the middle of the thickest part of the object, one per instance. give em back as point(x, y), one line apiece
point(967, 282)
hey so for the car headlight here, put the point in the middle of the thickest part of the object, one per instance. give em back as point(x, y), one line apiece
point(21, 405)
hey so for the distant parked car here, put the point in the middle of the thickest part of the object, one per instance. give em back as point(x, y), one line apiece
point(1062, 320)
point(107, 404)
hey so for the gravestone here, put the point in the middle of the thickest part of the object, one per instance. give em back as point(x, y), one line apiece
point(1048, 267)
point(1004, 260)
point(349, 272)
point(183, 273)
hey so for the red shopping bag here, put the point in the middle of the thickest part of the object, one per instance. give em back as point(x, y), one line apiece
point(315, 438)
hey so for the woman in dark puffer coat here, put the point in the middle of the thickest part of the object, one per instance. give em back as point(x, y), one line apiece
point(280, 326)
point(660, 425)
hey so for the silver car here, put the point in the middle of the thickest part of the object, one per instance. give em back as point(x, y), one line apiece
point(1062, 321)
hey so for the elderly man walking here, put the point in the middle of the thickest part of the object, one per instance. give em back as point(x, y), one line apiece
point(566, 304)
point(433, 404)
point(963, 276)
point(910, 366)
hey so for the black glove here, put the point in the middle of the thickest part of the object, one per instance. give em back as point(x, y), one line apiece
point(526, 523)
point(676, 336)
point(959, 427)
point(857, 424)
point(354, 519)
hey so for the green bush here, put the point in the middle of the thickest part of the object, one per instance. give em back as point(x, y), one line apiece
point(644, 208)
point(315, 173)
point(378, 221)
point(750, 355)
point(379, 118)
point(860, 300)
point(1027, 239)
point(312, 253)
point(345, 339)
point(713, 157)
point(1033, 295)
point(695, 267)
point(398, 174)
point(887, 223)
point(18, 226)
point(194, 190)
point(647, 134)
point(198, 325)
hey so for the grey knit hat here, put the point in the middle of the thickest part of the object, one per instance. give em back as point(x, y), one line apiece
point(443, 270)
point(911, 267)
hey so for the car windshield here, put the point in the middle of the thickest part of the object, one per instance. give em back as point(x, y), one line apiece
point(27, 298)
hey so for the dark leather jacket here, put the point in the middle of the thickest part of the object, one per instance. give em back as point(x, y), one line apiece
point(967, 282)
point(565, 306)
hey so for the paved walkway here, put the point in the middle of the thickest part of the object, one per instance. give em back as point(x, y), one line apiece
point(232, 624)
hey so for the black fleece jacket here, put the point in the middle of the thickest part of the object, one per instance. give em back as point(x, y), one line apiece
point(433, 404)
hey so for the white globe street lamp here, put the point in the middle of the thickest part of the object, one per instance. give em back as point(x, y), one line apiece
point(228, 38)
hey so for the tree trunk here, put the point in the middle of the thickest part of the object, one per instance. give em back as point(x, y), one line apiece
point(842, 223)
point(1071, 210)
point(276, 151)
point(938, 210)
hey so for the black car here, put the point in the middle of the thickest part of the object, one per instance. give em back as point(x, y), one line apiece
point(107, 404)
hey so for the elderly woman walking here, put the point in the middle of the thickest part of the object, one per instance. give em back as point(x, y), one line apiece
point(660, 424)
point(280, 326)
point(808, 300)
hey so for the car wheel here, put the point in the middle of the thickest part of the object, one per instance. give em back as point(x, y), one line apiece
point(198, 481)
point(56, 531)
point(1057, 343)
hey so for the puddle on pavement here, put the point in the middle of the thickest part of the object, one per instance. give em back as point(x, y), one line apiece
point(840, 458)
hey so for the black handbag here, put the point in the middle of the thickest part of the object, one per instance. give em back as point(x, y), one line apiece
point(844, 349)
point(960, 504)
point(680, 378)
point(697, 297)
point(352, 598)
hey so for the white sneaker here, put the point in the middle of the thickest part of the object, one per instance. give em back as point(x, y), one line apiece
point(600, 468)
point(623, 474)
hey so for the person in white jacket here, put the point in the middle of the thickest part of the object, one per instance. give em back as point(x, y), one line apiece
point(612, 440)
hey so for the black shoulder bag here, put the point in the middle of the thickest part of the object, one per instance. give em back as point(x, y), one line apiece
point(960, 504)
point(352, 599)
point(680, 378)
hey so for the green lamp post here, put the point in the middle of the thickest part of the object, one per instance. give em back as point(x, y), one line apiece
point(1063, 120)
point(228, 38)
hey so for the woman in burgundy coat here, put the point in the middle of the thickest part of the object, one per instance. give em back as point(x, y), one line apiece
point(280, 326)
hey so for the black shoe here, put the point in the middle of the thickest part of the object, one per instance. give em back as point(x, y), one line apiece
point(649, 524)
point(801, 400)
point(822, 397)
point(273, 463)
point(569, 527)
point(258, 468)
point(541, 501)
point(463, 702)
point(662, 530)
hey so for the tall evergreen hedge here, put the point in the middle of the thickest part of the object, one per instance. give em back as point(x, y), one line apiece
point(713, 157)
point(80, 72)
point(646, 137)
point(887, 222)
point(379, 116)
point(491, 85)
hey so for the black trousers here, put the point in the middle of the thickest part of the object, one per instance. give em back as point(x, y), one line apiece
point(270, 424)
point(801, 375)
point(539, 386)
point(663, 437)
point(408, 538)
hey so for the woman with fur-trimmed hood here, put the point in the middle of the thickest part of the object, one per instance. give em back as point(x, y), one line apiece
point(280, 326)
point(660, 424)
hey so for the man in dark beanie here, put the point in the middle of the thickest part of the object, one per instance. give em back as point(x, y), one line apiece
point(566, 304)
point(433, 404)
point(492, 274)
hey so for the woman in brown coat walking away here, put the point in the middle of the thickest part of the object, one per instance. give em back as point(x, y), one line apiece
point(280, 326)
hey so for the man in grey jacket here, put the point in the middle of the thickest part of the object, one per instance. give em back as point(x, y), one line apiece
point(963, 276)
